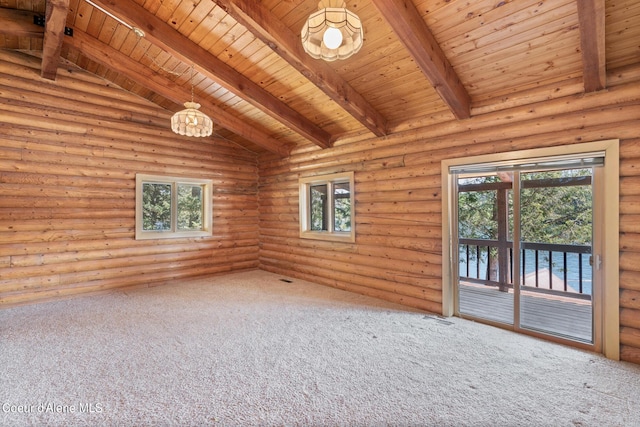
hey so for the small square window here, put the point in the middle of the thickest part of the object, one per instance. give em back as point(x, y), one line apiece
point(170, 207)
point(326, 207)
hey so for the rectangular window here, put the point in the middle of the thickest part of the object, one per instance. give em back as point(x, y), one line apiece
point(170, 207)
point(326, 207)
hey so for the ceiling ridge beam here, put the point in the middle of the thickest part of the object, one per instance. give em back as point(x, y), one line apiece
point(144, 76)
point(257, 19)
point(411, 29)
point(169, 39)
point(591, 18)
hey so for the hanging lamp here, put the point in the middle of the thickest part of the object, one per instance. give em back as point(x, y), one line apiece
point(191, 121)
point(333, 32)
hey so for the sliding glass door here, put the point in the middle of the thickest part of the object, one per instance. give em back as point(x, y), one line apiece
point(525, 239)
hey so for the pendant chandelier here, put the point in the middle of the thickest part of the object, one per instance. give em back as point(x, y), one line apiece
point(191, 121)
point(333, 32)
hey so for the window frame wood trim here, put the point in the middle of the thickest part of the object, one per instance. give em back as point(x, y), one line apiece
point(305, 211)
point(174, 233)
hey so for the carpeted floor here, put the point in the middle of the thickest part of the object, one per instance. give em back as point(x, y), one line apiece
point(251, 349)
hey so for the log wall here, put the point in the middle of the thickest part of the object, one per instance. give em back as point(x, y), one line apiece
point(397, 255)
point(69, 152)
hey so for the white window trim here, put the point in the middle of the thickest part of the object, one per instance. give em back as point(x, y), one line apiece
point(305, 211)
point(207, 219)
point(611, 297)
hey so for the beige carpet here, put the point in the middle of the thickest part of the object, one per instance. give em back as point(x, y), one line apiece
point(251, 349)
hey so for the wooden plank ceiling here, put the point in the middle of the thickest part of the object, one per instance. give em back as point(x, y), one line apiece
point(423, 61)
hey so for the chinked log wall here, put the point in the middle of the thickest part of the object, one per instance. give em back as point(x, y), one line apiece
point(398, 253)
point(69, 152)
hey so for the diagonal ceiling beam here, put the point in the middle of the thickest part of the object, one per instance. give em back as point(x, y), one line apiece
point(591, 15)
point(409, 26)
point(55, 17)
point(19, 23)
point(153, 81)
point(257, 19)
point(166, 37)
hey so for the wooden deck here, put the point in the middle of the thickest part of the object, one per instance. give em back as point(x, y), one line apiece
point(560, 316)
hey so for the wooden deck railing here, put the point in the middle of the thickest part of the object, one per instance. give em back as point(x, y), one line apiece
point(476, 263)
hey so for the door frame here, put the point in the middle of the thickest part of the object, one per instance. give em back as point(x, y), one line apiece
point(610, 322)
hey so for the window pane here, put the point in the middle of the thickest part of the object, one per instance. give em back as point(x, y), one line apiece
point(156, 209)
point(318, 207)
point(190, 207)
point(342, 207)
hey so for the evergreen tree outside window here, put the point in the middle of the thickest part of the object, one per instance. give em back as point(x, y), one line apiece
point(171, 207)
point(326, 207)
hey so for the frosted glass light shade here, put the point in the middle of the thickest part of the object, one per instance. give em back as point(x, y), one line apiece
point(191, 121)
point(332, 38)
point(332, 17)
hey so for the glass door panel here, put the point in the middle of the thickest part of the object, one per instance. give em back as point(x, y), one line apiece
point(485, 286)
point(556, 235)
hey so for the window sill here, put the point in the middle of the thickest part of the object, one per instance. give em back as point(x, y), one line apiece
point(331, 237)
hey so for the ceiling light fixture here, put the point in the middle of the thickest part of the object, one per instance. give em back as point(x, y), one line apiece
point(333, 32)
point(191, 121)
point(137, 31)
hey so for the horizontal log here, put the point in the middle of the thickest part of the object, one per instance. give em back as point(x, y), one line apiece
point(630, 280)
point(392, 263)
point(630, 223)
point(630, 186)
point(430, 245)
point(53, 190)
point(380, 284)
point(211, 149)
point(380, 183)
point(126, 255)
point(123, 204)
point(426, 305)
point(80, 272)
point(89, 104)
point(519, 122)
point(420, 280)
point(630, 354)
point(382, 219)
point(94, 287)
point(415, 231)
point(628, 262)
point(407, 207)
point(23, 178)
point(97, 249)
point(388, 252)
point(630, 205)
point(630, 299)
point(418, 194)
point(74, 80)
point(630, 317)
point(148, 165)
point(630, 337)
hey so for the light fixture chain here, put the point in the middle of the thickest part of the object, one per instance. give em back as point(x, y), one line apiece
point(192, 82)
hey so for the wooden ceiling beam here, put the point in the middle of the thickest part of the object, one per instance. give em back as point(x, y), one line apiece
point(55, 19)
point(19, 23)
point(166, 37)
point(409, 26)
point(591, 14)
point(144, 76)
point(257, 19)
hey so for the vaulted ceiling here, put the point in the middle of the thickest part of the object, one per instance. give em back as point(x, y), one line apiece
point(423, 62)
